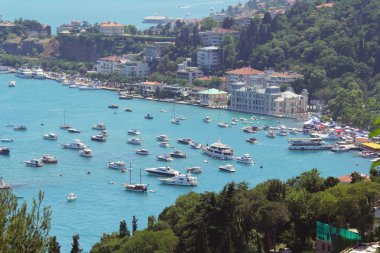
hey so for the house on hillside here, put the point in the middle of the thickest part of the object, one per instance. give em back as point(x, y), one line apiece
point(111, 29)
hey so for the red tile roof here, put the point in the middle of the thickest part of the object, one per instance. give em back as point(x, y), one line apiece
point(327, 5)
point(150, 83)
point(112, 58)
point(245, 71)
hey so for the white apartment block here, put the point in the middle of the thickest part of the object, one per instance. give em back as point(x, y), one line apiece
point(208, 58)
point(215, 36)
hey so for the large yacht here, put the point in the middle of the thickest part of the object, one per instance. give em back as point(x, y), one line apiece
point(24, 73)
point(181, 179)
point(77, 144)
point(307, 144)
point(166, 171)
point(219, 150)
point(38, 73)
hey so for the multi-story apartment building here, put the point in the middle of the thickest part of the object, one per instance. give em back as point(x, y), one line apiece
point(111, 29)
point(208, 58)
point(215, 36)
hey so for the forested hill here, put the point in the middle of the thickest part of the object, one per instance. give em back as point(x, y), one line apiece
point(336, 47)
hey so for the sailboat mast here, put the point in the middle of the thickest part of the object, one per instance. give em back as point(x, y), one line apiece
point(140, 175)
point(130, 174)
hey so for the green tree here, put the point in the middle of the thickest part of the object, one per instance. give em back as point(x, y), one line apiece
point(75, 245)
point(134, 225)
point(54, 246)
point(208, 23)
point(228, 52)
point(123, 229)
point(23, 229)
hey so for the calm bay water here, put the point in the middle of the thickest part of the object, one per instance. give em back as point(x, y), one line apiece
point(39, 104)
point(132, 12)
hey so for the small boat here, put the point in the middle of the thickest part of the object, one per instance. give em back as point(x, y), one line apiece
point(181, 117)
point(135, 187)
point(119, 165)
point(34, 163)
point(73, 130)
point(165, 158)
point(128, 109)
point(142, 151)
point(270, 134)
point(227, 167)
point(49, 159)
point(339, 148)
point(178, 154)
point(99, 126)
point(134, 141)
point(252, 140)
point(12, 83)
point(64, 126)
point(195, 169)
point(195, 145)
point(246, 159)
point(71, 197)
point(207, 119)
point(223, 124)
point(186, 141)
point(20, 128)
point(166, 171)
point(4, 151)
point(134, 132)
point(368, 154)
point(6, 140)
point(162, 137)
point(175, 121)
point(164, 144)
point(50, 136)
point(181, 179)
point(3, 184)
point(125, 96)
point(73, 86)
point(86, 152)
point(282, 132)
point(77, 144)
point(162, 110)
point(113, 106)
point(148, 116)
point(99, 138)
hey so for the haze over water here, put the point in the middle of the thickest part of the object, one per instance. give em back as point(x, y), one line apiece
point(132, 12)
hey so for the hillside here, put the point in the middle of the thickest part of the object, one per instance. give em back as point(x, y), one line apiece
point(336, 47)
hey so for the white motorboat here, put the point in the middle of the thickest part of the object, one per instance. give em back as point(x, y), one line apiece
point(73, 130)
point(3, 184)
point(195, 145)
point(181, 179)
point(24, 73)
point(6, 140)
point(164, 144)
point(99, 126)
point(134, 132)
point(181, 117)
point(50, 136)
point(77, 144)
point(270, 134)
point(227, 167)
point(162, 137)
point(86, 152)
point(219, 150)
point(223, 124)
point(134, 141)
point(246, 158)
point(12, 83)
point(207, 119)
point(71, 197)
point(50, 159)
point(142, 151)
point(34, 163)
point(339, 148)
point(104, 133)
point(119, 165)
point(252, 140)
point(178, 154)
point(368, 154)
point(166, 171)
point(195, 169)
point(186, 141)
point(99, 138)
point(165, 158)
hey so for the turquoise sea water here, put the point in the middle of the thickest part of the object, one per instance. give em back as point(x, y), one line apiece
point(39, 104)
point(132, 12)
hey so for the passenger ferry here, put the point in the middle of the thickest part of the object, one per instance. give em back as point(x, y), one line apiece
point(219, 150)
point(24, 73)
point(307, 144)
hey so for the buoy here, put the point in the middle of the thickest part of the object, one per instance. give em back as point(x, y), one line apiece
point(60, 174)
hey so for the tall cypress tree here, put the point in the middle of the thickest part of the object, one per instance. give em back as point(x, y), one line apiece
point(54, 246)
point(134, 224)
point(75, 245)
point(123, 229)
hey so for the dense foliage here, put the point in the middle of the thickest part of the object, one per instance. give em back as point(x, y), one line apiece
point(240, 219)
